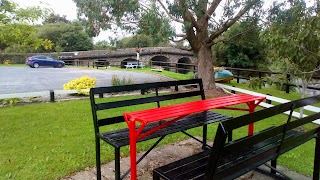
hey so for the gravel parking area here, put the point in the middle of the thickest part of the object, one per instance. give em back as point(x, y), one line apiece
point(26, 79)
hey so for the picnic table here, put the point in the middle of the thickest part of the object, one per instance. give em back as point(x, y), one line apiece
point(175, 112)
point(134, 65)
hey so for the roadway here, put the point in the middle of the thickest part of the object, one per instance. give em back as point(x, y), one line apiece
point(26, 79)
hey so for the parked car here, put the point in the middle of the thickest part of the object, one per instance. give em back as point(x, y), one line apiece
point(37, 61)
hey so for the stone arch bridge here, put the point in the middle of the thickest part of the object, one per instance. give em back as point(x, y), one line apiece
point(169, 58)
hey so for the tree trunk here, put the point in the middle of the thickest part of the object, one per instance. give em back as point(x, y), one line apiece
point(205, 67)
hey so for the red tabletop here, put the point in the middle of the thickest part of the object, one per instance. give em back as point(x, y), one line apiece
point(156, 114)
point(178, 111)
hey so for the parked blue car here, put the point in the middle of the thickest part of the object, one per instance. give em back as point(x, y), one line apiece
point(37, 61)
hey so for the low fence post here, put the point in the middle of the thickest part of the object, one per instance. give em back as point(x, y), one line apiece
point(268, 100)
point(51, 96)
point(233, 91)
point(238, 76)
point(287, 84)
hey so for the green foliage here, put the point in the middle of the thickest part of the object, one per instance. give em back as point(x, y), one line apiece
point(155, 25)
point(80, 84)
point(102, 14)
point(241, 46)
point(16, 34)
point(276, 80)
point(66, 36)
point(256, 82)
point(10, 101)
point(55, 18)
point(103, 45)
point(135, 41)
point(293, 38)
point(115, 81)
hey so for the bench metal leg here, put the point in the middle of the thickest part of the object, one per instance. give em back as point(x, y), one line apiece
point(155, 176)
point(316, 165)
point(98, 165)
point(230, 136)
point(204, 136)
point(274, 165)
point(143, 156)
point(117, 163)
point(280, 175)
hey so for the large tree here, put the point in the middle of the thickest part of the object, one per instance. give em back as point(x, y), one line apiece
point(202, 21)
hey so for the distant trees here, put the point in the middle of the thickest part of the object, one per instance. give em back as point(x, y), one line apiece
point(56, 18)
point(103, 45)
point(16, 32)
point(135, 41)
point(241, 46)
point(67, 36)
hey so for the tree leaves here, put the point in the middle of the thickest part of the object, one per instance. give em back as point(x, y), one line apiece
point(16, 34)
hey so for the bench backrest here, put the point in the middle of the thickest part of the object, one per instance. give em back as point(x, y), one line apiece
point(153, 97)
point(267, 144)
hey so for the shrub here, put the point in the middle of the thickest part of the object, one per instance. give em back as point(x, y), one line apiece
point(84, 82)
point(10, 102)
point(7, 62)
point(115, 81)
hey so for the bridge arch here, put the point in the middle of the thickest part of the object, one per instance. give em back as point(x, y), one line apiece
point(182, 66)
point(125, 61)
point(160, 61)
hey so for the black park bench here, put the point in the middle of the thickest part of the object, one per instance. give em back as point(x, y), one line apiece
point(154, 96)
point(229, 160)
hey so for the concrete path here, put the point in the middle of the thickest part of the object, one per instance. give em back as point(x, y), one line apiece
point(164, 155)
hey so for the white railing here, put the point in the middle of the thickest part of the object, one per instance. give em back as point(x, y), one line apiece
point(272, 98)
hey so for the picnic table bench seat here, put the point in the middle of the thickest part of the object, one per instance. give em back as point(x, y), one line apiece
point(120, 137)
point(229, 160)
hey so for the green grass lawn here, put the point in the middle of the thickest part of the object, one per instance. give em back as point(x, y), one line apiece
point(52, 140)
point(12, 65)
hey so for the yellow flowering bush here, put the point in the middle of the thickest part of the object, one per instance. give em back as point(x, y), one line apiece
point(84, 82)
point(7, 62)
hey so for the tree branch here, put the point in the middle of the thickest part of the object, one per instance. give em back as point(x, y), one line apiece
point(229, 23)
point(167, 12)
point(188, 16)
point(212, 8)
point(182, 48)
point(179, 40)
point(227, 40)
